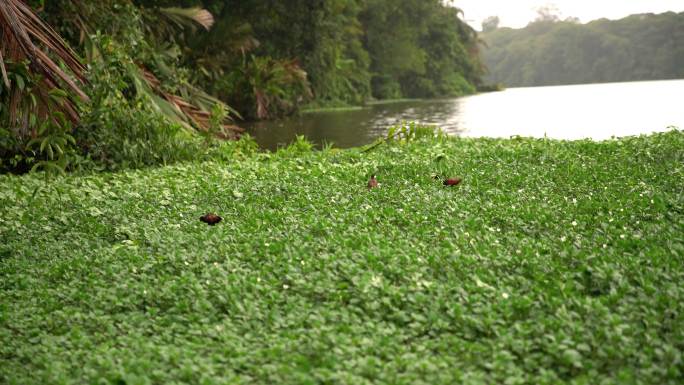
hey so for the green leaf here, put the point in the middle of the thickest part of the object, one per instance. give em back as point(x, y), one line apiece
point(20, 82)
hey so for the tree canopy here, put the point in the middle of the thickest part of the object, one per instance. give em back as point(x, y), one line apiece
point(350, 50)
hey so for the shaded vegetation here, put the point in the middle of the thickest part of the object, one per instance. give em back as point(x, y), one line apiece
point(548, 52)
point(553, 262)
point(351, 50)
point(138, 104)
point(163, 73)
point(421, 50)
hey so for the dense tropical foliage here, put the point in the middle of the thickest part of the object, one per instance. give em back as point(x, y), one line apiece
point(351, 50)
point(140, 108)
point(550, 51)
point(160, 72)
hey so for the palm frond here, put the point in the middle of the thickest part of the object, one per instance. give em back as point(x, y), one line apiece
point(24, 37)
point(186, 16)
point(192, 114)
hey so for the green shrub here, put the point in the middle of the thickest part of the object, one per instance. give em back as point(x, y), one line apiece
point(386, 87)
point(117, 136)
point(121, 128)
point(300, 146)
point(457, 85)
point(34, 130)
point(228, 151)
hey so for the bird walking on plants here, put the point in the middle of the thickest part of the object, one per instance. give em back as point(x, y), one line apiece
point(372, 182)
point(452, 181)
point(210, 219)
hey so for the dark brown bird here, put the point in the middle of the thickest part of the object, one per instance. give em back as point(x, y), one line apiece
point(372, 182)
point(210, 219)
point(452, 181)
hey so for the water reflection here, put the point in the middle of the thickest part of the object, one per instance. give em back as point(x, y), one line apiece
point(596, 111)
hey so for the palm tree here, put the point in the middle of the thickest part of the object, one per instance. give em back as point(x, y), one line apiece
point(41, 75)
point(186, 104)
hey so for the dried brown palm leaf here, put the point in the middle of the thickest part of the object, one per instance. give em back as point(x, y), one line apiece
point(184, 111)
point(190, 106)
point(181, 16)
point(5, 78)
point(24, 37)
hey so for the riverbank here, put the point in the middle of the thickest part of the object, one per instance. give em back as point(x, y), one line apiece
point(552, 262)
point(366, 104)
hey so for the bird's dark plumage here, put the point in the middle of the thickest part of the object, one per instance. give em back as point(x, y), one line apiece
point(210, 219)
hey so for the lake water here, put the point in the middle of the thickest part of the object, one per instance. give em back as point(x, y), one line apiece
point(596, 111)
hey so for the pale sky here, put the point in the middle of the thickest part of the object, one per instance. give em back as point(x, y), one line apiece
point(517, 13)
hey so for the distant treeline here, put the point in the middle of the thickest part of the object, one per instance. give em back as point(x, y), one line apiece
point(549, 52)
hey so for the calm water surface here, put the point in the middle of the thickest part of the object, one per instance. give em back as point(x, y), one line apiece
point(596, 111)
